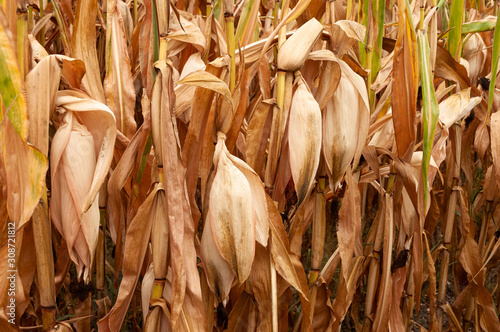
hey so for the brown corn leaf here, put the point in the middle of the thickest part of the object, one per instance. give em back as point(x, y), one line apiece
point(349, 223)
point(10, 314)
point(118, 83)
point(181, 223)
point(146, 49)
point(404, 86)
point(136, 244)
point(260, 279)
point(286, 263)
point(495, 143)
point(243, 316)
point(183, 33)
point(384, 303)
point(83, 45)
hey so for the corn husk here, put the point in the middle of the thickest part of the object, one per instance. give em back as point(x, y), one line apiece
point(304, 136)
point(71, 179)
point(456, 107)
point(345, 124)
point(293, 53)
point(475, 53)
point(231, 216)
point(81, 154)
point(219, 275)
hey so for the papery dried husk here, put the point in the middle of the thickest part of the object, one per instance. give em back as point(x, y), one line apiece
point(231, 215)
point(219, 274)
point(304, 136)
point(345, 124)
point(73, 161)
point(456, 107)
point(294, 51)
point(259, 204)
point(80, 157)
point(475, 53)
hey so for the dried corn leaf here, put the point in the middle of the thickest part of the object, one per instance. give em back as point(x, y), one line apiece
point(118, 83)
point(83, 45)
point(207, 80)
point(404, 86)
point(349, 228)
point(384, 303)
point(343, 35)
point(22, 167)
point(287, 264)
point(136, 244)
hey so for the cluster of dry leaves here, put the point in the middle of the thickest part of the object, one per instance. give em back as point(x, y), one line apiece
point(174, 166)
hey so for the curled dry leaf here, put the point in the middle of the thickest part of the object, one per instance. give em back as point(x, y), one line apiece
point(184, 93)
point(80, 157)
point(304, 136)
point(184, 33)
point(343, 35)
point(345, 124)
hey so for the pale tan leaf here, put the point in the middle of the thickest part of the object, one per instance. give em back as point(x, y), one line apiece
point(208, 81)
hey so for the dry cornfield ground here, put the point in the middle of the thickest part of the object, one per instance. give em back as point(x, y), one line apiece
point(294, 165)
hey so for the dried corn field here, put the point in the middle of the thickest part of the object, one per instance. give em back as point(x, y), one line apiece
point(294, 165)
